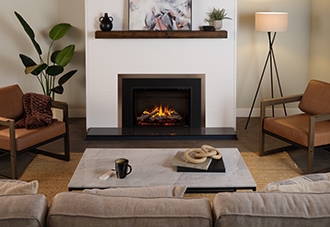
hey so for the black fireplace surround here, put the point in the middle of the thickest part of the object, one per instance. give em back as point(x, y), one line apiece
point(182, 94)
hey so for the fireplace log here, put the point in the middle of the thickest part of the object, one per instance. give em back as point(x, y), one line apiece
point(148, 115)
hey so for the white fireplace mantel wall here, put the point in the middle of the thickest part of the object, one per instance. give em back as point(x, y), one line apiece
point(107, 58)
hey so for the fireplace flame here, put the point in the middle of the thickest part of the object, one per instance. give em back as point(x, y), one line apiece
point(159, 114)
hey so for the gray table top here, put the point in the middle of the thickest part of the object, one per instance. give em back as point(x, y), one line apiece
point(152, 167)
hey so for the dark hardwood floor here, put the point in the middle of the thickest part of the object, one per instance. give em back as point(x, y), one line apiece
point(247, 139)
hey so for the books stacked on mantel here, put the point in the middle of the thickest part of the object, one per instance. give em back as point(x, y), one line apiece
point(210, 165)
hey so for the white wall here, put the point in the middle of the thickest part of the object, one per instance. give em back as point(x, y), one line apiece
point(291, 48)
point(106, 58)
point(320, 36)
point(42, 15)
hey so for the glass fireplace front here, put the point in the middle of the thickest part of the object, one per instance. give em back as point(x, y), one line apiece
point(165, 102)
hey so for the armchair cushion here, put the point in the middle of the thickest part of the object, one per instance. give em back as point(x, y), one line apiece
point(27, 138)
point(296, 127)
point(316, 98)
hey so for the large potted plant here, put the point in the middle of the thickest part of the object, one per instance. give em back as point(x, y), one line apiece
point(48, 68)
point(215, 18)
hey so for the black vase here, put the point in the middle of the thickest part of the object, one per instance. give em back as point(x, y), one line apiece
point(106, 22)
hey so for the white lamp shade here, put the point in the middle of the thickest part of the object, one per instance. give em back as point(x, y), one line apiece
point(271, 21)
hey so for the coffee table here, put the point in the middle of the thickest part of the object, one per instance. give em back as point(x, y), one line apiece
point(152, 167)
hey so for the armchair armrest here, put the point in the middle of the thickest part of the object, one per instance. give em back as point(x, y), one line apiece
point(64, 107)
point(10, 123)
point(321, 117)
point(275, 101)
point(6, 121)
point(314, 119)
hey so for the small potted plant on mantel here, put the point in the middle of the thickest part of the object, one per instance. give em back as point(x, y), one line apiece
point(215, 18)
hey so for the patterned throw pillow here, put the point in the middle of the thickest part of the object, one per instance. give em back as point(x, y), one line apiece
point(308, 183)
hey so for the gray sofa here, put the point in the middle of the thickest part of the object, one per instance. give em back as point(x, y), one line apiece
point(228, 209)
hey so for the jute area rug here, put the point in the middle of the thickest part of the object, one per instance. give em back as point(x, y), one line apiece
point(54, 175)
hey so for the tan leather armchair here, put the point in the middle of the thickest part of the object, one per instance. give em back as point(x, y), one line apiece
point(16, 140)
point(309, 129)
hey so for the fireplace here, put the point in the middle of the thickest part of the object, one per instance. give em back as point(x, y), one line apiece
point(108, 59)
point(140, 98)
point(161, 101)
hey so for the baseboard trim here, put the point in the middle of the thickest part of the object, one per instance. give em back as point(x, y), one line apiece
point(244, 112)
point(77, 113)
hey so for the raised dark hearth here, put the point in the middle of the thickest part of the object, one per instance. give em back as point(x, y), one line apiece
point(164, 133)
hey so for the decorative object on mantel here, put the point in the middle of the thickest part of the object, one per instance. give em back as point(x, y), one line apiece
point(270, 22)
point(160, 15)
point(216, 17)
point(106, 22)
point(47, 70)
point(208, 28)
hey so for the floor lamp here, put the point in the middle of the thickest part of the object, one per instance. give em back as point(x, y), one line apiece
point(270, 22)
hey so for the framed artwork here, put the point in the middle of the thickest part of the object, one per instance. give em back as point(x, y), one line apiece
point(159, 15)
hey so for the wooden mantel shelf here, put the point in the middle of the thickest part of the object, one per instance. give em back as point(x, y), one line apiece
point(161, 34)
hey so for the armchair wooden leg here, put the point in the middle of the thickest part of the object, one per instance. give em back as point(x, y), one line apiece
point(310, 168)
point(13, 150)
point(67, 147)
point(13, 163)
point(311, 145)
point(261, 143)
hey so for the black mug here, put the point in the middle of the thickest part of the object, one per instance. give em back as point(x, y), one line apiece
point(122, 167)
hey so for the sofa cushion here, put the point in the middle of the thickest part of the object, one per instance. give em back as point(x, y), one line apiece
point(82, 209)
point(23, 210)
point(316, 98)
point(283, 209)
point(307, 183)
point(156, 191)
point(18, 187)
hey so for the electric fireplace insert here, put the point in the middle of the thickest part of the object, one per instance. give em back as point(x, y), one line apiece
point(161, 102)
